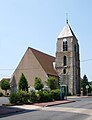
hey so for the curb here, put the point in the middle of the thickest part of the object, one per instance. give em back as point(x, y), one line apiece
point(59, 103)
point(54, 103)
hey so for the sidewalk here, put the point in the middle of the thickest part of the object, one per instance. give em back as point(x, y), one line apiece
point(8, 110)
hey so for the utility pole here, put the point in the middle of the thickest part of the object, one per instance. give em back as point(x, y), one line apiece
point(60, 84)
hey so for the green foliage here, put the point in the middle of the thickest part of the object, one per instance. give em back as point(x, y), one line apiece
point(90, 88)
point(24, 96)
point(47, 96)
point(21, 97)
point(40, 96)
point(55, 94)
point(1, 94)
point(44, 96)
point(33, 97)
point(14, 98)
point(84, 82)
point(51, 82)
point(38, 85)
point(23, 84)
point(69, 94)
point(5, 85)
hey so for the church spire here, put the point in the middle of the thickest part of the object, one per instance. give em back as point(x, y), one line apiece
point(67, 21)
point(67, 31)
point(66, 18)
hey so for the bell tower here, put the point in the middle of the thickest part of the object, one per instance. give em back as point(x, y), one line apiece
point(67, 61)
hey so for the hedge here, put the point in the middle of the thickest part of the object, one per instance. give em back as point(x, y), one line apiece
point(44, 96)
point(20, 97)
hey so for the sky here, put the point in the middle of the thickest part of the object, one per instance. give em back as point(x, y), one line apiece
point(36, 24)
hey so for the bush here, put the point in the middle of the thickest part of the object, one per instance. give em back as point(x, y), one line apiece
point(69, 94)
point(44, 96)
point(14, 98)
point(51, 82)
point(47, 96)
point(38, 85)
point(24, 96)
point(1, 94)
point(33, 96)
point(55, 94)
point(20, 97)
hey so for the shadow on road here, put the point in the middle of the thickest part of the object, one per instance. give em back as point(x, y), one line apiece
point(6, 111)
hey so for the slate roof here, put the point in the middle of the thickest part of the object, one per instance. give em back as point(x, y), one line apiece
point(45, 60)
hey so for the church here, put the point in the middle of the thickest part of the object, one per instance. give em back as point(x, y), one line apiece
point(65, 66)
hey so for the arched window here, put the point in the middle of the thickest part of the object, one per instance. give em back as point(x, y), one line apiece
point(65, 46)
point(64, 61)
point(64, 71)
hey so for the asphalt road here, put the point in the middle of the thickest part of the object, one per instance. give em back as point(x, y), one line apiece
point(79, 110)
point(4, 100)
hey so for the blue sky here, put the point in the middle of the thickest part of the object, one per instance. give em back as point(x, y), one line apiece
point(37, 23)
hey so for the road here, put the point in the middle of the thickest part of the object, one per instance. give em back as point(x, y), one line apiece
point(4, 100)
point(79, 110)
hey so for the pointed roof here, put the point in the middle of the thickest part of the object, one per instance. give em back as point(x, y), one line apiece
point(66, 32)
point(45, 60)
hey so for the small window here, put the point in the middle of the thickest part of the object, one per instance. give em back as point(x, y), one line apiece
point(65, 46)
point(64, 71)
point(64, 61)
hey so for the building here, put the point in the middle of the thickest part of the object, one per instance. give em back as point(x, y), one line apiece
point(67, 60)
point(65, 65)
point(34, 64)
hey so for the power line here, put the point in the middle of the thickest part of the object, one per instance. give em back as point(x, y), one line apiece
point(9, 69)
point(86, 60)
point(6, 69)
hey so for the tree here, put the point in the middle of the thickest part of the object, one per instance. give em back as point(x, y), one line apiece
point(51, 82)
point(84, 82)
point(90, 87)
point(23, 84)
point(38, 85)
point(5, 85)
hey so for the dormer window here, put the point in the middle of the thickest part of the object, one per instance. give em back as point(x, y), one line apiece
point(65, 46)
